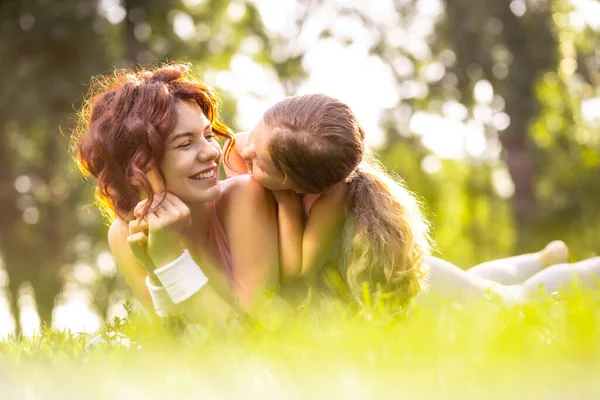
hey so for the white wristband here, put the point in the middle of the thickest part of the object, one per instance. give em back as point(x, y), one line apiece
point(181, 278)
point(163, 305)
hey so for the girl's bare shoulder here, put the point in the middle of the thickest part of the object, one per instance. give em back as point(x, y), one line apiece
point(338, 195)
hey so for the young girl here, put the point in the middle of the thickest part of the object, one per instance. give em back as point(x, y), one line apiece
point(332, 196)
point(148, 138)
point(360, 218)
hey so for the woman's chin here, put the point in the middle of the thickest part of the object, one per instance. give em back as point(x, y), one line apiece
point(197, 197)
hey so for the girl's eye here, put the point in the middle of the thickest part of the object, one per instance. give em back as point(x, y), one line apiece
point(209, 137)
point(184, 145)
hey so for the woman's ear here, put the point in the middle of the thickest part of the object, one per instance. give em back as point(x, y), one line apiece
point(155, 182)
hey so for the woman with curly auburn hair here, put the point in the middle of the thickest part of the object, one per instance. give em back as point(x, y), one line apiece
point(336, 203)
point(149, 138)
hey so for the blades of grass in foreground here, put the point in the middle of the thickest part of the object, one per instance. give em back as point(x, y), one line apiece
point(542, 349)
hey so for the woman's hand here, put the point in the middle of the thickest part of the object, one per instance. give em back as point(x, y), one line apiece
point(138, 243)
point(166, 222)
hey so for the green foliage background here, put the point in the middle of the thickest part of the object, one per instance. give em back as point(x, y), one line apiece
point(541, 67)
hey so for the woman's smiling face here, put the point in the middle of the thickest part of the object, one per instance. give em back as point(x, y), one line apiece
point(256, 155)
point(192, 157)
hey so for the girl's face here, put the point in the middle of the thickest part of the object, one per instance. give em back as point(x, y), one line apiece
point(256, 155)
point(192, 157)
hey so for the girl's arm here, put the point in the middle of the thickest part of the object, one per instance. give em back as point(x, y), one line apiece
point(290, 232)
point(323, 228)
point(304, 250)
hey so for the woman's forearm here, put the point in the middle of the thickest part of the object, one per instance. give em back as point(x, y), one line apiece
point(192, 293)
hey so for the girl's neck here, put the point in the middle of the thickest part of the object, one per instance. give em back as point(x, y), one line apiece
point(338, 187)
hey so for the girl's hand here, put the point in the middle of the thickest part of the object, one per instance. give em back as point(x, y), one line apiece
point(167, 220)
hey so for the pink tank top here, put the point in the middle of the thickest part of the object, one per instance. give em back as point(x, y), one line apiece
point(222, 240)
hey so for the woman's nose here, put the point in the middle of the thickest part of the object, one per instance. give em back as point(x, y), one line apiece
point(208, 152)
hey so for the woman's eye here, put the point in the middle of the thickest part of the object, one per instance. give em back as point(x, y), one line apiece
point(184, 145)
point(209, 137)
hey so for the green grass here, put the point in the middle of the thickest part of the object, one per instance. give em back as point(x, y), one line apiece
point(544, 349)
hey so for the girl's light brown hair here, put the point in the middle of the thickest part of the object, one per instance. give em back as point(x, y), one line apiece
point(123, 126)
point(318, 143)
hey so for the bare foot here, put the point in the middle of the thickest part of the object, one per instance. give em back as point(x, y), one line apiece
point(555, 252)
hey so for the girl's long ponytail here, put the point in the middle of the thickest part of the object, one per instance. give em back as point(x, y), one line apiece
point(388, 237)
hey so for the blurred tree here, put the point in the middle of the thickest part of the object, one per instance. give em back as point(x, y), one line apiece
point(492, 43)
point(528, 51)
point(210, 34)
point(48, 51)
point(485, 45)
point(566, 132)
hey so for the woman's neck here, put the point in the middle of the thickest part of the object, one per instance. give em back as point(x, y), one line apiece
point(200, 214)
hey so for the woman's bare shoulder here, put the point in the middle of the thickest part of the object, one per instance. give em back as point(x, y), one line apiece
point(242, 193)
point(240, 185)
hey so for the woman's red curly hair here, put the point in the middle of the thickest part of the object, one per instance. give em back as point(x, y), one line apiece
point(122, 129)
